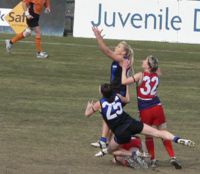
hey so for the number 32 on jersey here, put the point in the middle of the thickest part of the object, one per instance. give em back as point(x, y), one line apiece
point(151, 85)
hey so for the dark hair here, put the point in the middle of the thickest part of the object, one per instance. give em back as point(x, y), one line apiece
point(107, 92)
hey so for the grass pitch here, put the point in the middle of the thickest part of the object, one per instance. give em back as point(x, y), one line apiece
point(42, 102)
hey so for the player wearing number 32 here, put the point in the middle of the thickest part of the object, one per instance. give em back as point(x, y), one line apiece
point(149, 105)
point(121, 124)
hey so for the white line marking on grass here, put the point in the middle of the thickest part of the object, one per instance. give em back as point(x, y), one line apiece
point(95, 46)
point(58, 43)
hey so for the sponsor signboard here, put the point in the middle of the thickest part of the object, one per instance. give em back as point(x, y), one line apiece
point(17, 19)
point(3, 13)
point(149, 20)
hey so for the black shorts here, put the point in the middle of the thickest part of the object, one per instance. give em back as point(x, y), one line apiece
point(124, 133)
point(34, 22)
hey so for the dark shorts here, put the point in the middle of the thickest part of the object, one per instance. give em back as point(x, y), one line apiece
point(34, 22)
point(124, 133)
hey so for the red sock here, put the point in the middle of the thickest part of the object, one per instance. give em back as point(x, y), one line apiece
point(168, 147)
point(150, 146)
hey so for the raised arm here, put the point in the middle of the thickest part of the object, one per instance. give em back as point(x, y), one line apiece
point(128, 80)
point(125, 99)
point(91, 108)
point(103, 47)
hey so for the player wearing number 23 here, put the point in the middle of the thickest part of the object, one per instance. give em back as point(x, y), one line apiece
point(121, 123)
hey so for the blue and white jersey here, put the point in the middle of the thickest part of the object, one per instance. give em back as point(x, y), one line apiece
point(113, 112)
point(115, 78)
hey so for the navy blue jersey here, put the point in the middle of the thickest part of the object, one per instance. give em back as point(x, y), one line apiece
point(115, 79)
point(113, 113)
point(145, 104)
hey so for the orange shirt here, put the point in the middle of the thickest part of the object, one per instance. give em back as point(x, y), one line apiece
point(38, 4)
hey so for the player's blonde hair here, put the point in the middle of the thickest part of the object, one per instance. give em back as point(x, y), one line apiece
point(153, 63)
point(129, 54)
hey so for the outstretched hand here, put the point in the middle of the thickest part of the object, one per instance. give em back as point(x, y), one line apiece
point(89, 108)
point(90, 104)
point(97, 32)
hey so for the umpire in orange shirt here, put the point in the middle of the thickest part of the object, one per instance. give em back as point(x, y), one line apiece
point(33, 9)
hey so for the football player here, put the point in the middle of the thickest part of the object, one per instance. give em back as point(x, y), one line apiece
point(149, 105)
point(33, 9)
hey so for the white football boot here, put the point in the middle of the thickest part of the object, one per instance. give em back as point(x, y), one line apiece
point(186, 142)
point(102, 152)
point(8, 45)
point(99, 144)
point(42, 55)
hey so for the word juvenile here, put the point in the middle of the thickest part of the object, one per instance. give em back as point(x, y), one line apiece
point(164, 20)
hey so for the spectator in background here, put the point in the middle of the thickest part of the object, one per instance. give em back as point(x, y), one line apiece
point(33, 9)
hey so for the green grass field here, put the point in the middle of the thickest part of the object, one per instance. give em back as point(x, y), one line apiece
point(42, 125)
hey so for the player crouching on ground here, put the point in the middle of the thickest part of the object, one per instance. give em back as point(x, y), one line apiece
point(122, 124)
point(142, 158)
point(33, 9)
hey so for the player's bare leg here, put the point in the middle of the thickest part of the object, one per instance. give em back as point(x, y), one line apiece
point(148, 130)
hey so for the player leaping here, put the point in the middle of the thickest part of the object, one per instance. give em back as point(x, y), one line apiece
point(32, 9)
point(122, 124)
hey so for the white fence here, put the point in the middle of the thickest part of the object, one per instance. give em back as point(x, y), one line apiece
point(150, 20)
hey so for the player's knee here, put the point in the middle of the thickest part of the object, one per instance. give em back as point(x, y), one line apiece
point(27, 32)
